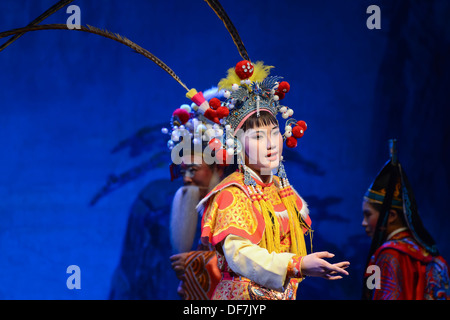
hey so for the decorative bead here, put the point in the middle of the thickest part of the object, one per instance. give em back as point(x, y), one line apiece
point(186, 107)
point(215, 144)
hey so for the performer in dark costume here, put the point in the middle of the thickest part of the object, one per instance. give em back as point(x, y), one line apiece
point(406, 254)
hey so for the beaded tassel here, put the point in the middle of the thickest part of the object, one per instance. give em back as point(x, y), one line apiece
point(296, 224)
point(271, 238)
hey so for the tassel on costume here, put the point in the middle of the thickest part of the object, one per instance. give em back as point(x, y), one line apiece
point(296, 223)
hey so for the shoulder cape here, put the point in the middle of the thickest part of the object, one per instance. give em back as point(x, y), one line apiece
point(228, 209)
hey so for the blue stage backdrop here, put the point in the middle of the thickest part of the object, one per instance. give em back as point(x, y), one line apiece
point(80, 114)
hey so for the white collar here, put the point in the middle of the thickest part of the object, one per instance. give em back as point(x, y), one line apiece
point(393, 233)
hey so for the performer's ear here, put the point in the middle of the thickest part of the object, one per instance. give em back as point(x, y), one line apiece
point(393, 217)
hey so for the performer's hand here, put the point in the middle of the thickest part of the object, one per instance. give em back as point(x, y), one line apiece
point(178, 263)
point(315, 266)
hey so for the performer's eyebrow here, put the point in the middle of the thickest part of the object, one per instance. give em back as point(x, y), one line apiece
point(254, 131)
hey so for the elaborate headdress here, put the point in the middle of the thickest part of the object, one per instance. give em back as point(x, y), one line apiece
point(391, 189)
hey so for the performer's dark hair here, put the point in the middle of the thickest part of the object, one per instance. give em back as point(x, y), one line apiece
point(254, 121)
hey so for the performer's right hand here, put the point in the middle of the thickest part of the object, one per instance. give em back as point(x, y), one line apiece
point(314, 265)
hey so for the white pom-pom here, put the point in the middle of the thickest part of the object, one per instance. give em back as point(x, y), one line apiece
point(231, 106)
point(234, 87)
point(201, 128)
point(210, 133)
point(186, 107)
point(228, 127)
point(230, 142)
point(290, 112)
point(287, 134)
point(276, 98)
point(165, 130)
point(226, 94)
point(230, 151)
point(285, 115)
point(283, 109)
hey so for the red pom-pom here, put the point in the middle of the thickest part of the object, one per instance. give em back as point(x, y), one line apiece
point(214, 103)
point(298, 132)
point(222, 157)
point(215, 144)
point(280, 94)
point(291, 142)
point(244, 69)
point(182, 114)
point(302, 124)
point(222, 112)
point(284, 87)
point(211, 115)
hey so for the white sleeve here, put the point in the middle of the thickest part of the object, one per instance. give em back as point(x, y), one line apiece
point(251, 261)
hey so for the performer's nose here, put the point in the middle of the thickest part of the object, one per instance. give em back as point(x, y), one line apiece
point(187, 180)
point(364, 223)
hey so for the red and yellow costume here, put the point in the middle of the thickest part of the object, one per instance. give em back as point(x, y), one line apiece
point(259, 243)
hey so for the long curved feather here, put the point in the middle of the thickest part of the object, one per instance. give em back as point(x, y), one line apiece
point(103, 33)
point(221, 13)
point(42, 17)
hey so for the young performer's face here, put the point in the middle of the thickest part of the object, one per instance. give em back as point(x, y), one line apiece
point(263, 147)
point(370, 218)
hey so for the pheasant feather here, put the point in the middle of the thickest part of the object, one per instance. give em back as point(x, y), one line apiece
point(103, 33)
point(221, 13)
point(38, 20)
